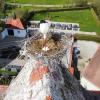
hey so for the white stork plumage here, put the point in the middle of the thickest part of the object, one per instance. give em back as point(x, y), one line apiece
point(44, 28)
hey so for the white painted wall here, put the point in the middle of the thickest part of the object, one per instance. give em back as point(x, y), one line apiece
point(88, 85)
point(4, 33)
point(17, 33)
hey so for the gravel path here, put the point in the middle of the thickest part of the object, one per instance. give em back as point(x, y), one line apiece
point(87, 50)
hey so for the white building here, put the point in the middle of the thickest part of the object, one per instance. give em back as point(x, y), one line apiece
point(14, 27)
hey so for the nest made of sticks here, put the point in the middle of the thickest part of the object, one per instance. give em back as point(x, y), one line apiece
point(55, 43)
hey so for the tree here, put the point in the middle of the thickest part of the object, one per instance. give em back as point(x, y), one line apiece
point(2, 7)
point(97, 7)
point(81, 2)
point(2, 4)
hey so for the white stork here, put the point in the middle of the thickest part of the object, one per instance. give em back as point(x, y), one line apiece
point(44, 28)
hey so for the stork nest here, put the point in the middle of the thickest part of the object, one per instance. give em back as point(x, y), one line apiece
point(55, 44)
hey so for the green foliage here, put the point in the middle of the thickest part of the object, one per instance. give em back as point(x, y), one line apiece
point(97, 7)
point(6, 80)
point(8, 72)
point(81, 2)
point(95, 38)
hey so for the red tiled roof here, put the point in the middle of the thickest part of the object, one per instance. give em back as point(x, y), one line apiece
point(92, 71)
point(3, 88)
point(38, 73)
point(14, 23)
point(48, 98)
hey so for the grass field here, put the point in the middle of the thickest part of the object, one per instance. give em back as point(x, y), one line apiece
point(46, 1)
point(83, 17)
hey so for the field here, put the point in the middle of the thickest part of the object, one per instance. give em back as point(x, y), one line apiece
point(46, 1)
point(83, 17)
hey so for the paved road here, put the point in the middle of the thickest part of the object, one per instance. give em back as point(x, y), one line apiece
point(20, 4)
point(33, 5)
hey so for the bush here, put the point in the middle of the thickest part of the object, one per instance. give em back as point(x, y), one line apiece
point(97, 7)
point(81, 3)
point(95, 38)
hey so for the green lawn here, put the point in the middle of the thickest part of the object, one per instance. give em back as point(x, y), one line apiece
point(83, 17)
point(45, 1)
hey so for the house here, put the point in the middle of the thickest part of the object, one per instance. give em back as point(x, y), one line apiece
point(13, 27)
point(91, 74)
